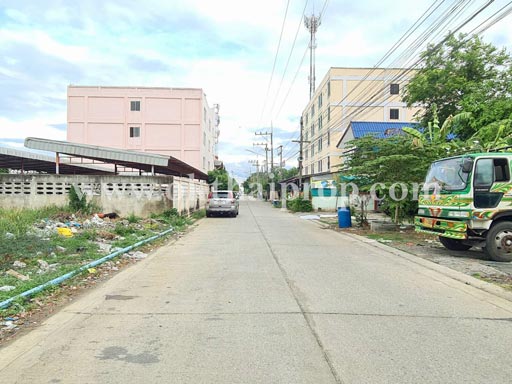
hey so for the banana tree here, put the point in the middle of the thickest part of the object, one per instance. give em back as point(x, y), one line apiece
point(435, 134)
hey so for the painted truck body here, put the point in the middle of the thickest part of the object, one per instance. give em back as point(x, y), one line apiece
point(467, 202)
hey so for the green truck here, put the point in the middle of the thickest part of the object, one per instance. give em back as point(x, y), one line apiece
point(467, 202)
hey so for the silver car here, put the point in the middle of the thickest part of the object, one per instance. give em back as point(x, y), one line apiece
point(223, 202)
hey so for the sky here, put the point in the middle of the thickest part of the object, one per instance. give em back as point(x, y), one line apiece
point(227, 48)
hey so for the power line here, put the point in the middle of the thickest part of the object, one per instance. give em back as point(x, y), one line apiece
point(289, 57)
point(400, 76)
point(449, 16)
point(275, 61)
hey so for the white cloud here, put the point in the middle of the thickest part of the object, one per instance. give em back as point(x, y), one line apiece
point(36, 126)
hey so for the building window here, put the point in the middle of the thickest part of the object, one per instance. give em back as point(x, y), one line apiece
point(328, 138)
point(208, 165)
point(329, 89)
point(134, 131)
point(312, 111)
point(320, 123)
point(394, 89)
point(312, 150)
point(328, 163)
point(329, 113)
point(320, 166)
point(312, 130)
point(204, 162)
point(204, 110)
point(312, 168)
point(307, 170)
point(307, 119)
point(307, 135)
point(394, 114)
point(204, 138)
point(319, 145)
point(319, 101)
point(306, 153)
point(135, 105)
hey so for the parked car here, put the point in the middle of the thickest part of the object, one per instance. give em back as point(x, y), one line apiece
point(222, 202)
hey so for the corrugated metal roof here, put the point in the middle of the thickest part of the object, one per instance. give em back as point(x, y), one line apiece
point(140, 160)
point(90, 151)
point(30, 161)
point(379, 129)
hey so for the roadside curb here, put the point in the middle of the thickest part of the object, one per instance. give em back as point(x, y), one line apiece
point(446, 271)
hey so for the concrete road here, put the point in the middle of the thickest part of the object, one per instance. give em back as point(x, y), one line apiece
point(270, 298)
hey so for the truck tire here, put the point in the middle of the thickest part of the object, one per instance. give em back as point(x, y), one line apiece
point(498, 243)
point(453, 244)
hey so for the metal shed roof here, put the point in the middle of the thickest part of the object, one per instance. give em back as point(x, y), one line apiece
point(144, 161)
point(30, 161)
point(379, 129)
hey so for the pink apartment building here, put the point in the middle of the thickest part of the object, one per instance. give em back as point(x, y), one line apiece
point(171, 121)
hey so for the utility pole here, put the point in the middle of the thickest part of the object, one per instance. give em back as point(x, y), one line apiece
point(266, 154)
point(271, 134)
point(301, 141)
point(280, 151)
point(256, 163)
point(312, 23)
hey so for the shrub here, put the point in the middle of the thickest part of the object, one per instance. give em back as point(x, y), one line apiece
point(80, 204)
point(132, 219)
point(299, 204)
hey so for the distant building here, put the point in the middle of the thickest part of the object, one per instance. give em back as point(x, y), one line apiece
point(343, 96)
point(171, 121)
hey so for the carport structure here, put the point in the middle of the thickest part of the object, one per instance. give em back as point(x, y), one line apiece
point(25, 161)
point(92, 159)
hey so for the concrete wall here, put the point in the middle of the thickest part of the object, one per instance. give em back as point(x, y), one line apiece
point(140, 195)
point(171, 121)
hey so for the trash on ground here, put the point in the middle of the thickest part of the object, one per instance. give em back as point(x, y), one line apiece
point(19, 264)
point(310, 217)
point(92, 270)
point(17, 275)
point(8, 325)
point(64, 231)
point(111, 215)
point(9, 235)
point(43, 265)
point(136, 255)
point(7, 288)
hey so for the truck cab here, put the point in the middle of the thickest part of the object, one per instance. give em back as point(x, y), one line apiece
point(467, 202)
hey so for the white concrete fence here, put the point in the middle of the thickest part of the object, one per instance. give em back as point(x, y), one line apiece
point(140, 195)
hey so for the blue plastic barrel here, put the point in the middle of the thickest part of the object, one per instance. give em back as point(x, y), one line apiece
point(344, 219)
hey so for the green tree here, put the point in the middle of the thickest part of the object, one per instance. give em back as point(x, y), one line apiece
point(463, 75)
point(389, 161)
point(436, 135)
point(221, 179)
point(284, 174)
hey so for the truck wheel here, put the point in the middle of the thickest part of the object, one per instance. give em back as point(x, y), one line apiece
point(498, 243)
point(453, 244)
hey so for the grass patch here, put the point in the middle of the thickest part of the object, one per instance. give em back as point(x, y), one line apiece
point(200, 214)
point(392, 236)
point(18, 221)
point(43, 255)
